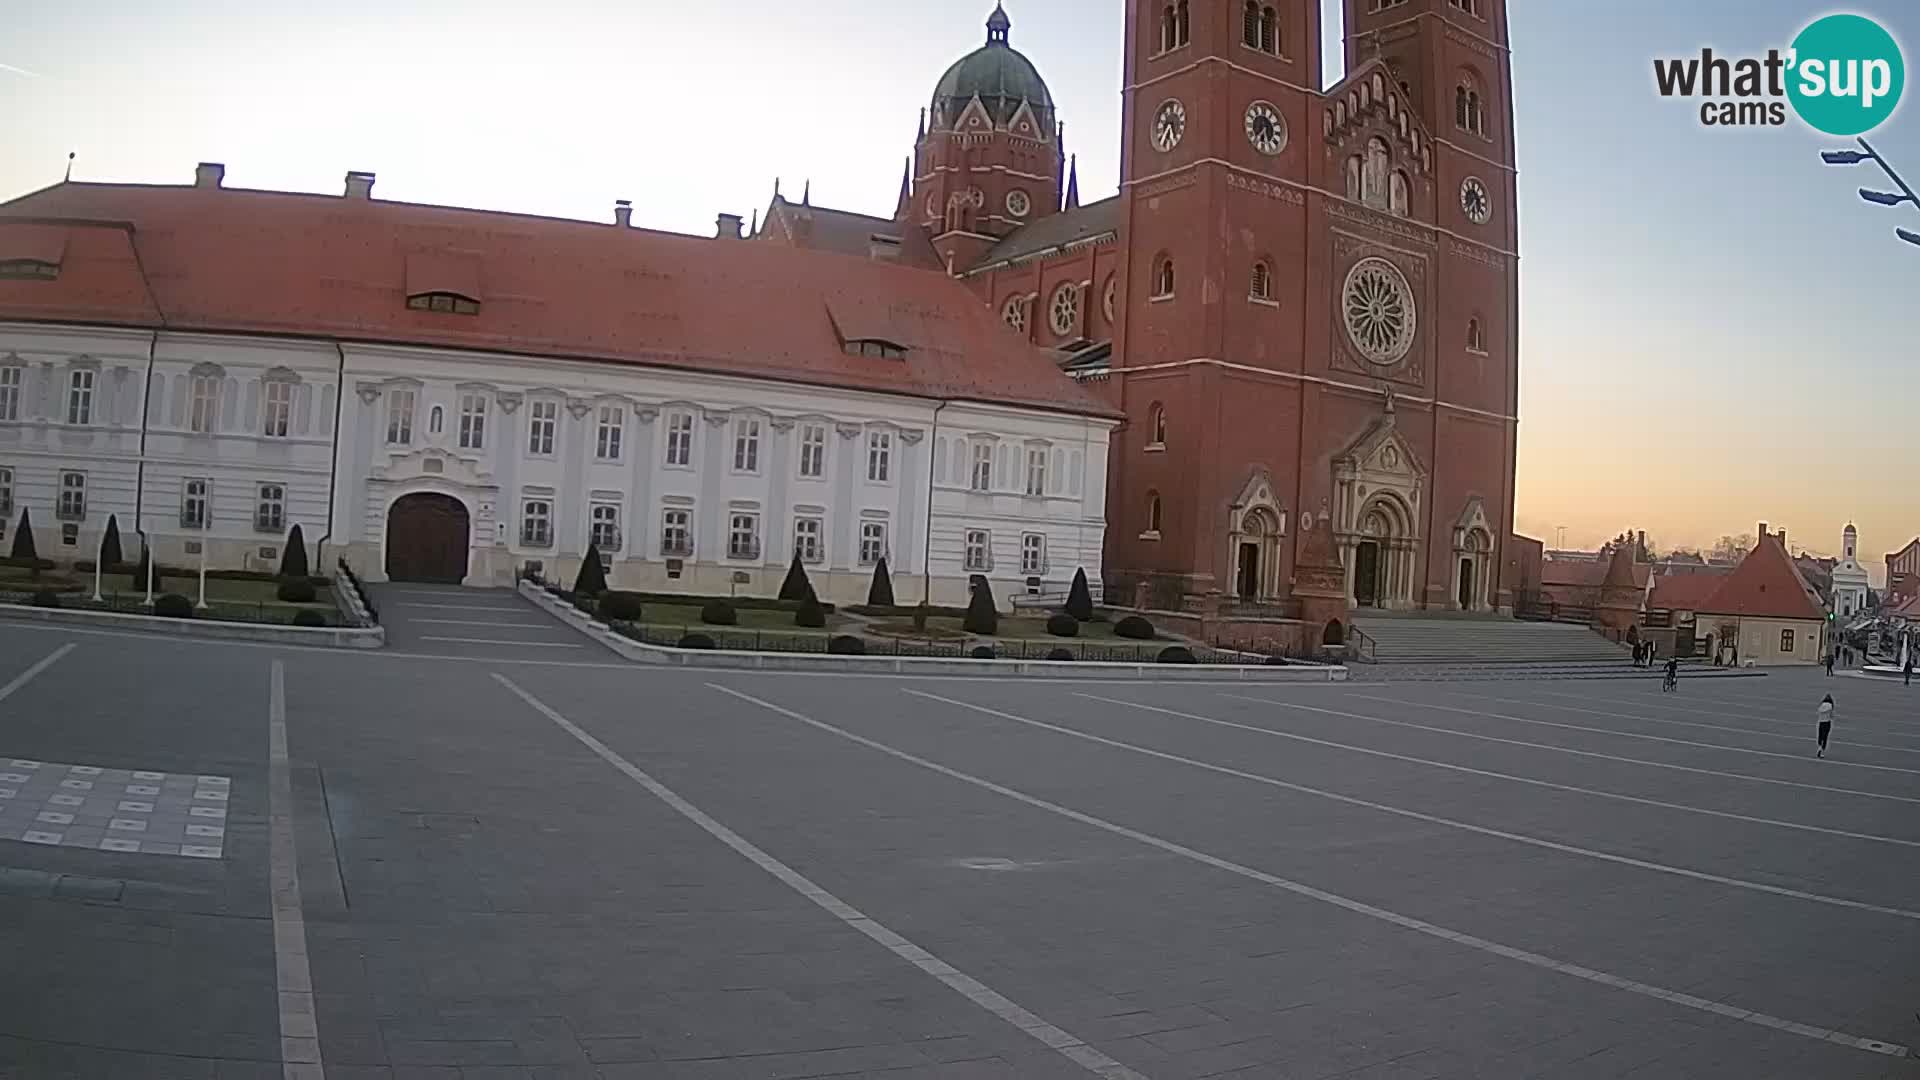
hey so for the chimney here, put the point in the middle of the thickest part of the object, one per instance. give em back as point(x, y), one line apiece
point(883, 248)
point(359, 185)
point(623, 213)
point(1643, 539)
point(1763, 533)
point(209, 174)
point(1782, 534)
point(729, 227)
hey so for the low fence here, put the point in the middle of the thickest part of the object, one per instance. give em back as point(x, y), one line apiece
point(135, 603)
point(735, 639)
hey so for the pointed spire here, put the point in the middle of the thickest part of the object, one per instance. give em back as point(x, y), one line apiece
point(997, 26)
point(1073, 184)
point(806, 194)
point(755, 230)
point(922, 133)
point(906, 191)
point(776, 189)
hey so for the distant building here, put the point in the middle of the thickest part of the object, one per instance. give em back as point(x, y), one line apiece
point(1764, 613)
point(1847, 596)
point(1903, 572)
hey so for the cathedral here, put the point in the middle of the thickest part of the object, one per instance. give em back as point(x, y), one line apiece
point(1303, 301)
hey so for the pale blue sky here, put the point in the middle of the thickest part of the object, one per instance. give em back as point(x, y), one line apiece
point(1715, 329)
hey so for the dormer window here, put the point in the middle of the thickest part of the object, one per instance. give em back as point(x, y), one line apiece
point(445, 302)
point(28, 270)
point(886, 350)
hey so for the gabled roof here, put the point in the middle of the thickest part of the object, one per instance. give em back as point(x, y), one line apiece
point(226, 260)
point(1682, 592)
point(1089, 222)
point(820, 228)
point(1765, 585)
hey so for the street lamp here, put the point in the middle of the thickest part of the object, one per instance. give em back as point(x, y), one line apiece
point(1878, 198)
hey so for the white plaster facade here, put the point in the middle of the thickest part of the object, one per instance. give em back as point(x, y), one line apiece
point(748, 463)
point(1850, 585)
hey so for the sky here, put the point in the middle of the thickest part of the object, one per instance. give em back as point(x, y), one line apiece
point(1715, 330)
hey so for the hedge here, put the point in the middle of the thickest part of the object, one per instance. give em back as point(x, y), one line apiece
point(719, 613)
point(907, 611)
point(740, 603)
point(1063, 625)
point(617, 606)
point(1062, 654)
point(46, 598)
point(695, 640)
point(173, 606)
point(810, 616)
point(309, 617)
point(295, 590)
point(1134, 628)
point(982, 652)
point(847, 645)
point(1176, 654)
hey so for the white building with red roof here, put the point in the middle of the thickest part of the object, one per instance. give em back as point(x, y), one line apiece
point(1764, 613)
point(445, 394)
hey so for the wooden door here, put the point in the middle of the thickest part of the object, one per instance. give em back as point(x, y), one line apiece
point(428, 537)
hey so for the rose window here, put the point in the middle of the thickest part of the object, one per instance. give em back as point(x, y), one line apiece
point(1377, 307)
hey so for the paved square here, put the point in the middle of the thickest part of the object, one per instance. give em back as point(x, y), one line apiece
point(135, 811)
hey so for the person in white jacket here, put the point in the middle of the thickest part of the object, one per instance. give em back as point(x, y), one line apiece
point(1824, 714)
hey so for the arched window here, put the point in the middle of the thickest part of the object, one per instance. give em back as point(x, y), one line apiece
point(1397, 193)
point(1157, 425)
point(1354, 169)
point(1476, 335)
point(436, 419)
point(1163, 277)
point(1181, 23)
point(1169, 26)
point(1269, 30)
point(1469, 105)
point(1250, 25)
point(1373, 180)
point(1153, 512)
point(1260, 27)
point(1261, 286)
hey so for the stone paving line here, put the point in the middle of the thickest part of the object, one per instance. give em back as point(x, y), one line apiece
point(1259, 778)
point(28, 675)
point(1805, 735)
point(299, 1034)
point(1066, 1044)
point(1537, 960)
point(1697, 770)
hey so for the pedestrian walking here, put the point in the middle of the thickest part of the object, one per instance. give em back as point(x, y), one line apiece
point(1824, 714)
point(1829, 663)
point(1908, 680)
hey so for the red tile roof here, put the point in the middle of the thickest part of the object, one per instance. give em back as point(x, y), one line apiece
point(1766, 584)
point(338, 268)
point(1683, 592)
point(821, 228)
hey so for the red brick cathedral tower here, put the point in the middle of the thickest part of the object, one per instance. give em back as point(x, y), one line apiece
point(988, 158)
point(1319, 326)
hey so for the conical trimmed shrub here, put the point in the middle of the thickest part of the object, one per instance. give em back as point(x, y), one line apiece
point(293, 560)
point(881, 592)
point(1080, 597)
point(23, 537)
point(110, 551)
point(592, 579)
point(796, 587)
point(982, 617)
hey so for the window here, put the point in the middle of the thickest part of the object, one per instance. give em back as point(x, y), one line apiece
point(6, 491)
point(536, 523)
point(80, 398)
point(473, 421)
point(73, 497)
point(886, 350)
point(1373, 179)
point(1033, 554)
point(979, 557)
point(206, 392)
point(1162, 278)
point(603, 527)
point(1153, 513)
point(1036, 470)
point(676, 533)
point(873, 542)
point(1786, 641)
point(1157, 427)
point(1181, 22)
point(613, 423)
point(1260, 28)
point(10, 393)
point(444, 303)
point(813, 451)
point(1354, 169)
point(806, 539)
point(1476, 336)
point(436, 420)
point(1260, 287)
point(1064, 312)
point(270, 508)
point(1175, 26)
point(28, 270)
point(543, 417)
point(399, 417)
point(278, 409)
point(879, 456)
point(1014, 314)
point(1469, 106)
point(680, 440)
point(1471, 7)
point(746, 445)
point(982, 476)
point(743, 536)
point(194, 502)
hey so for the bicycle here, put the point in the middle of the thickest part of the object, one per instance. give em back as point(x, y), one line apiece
point(1669, 683)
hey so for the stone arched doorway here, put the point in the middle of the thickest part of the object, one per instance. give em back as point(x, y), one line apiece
point(428, 538)
point(1256, 554)
point(1382, 567)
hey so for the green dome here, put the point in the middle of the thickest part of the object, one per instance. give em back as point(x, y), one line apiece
point(999, 76)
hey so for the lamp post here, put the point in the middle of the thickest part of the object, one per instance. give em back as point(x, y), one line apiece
point(206, 528)
point(1878, 198)
point(149, 548)
point(99, 557)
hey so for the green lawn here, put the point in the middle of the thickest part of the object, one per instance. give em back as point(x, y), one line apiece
point(688, 615)
point(1011, 628)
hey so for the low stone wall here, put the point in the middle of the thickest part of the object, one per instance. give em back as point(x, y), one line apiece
point(1285, 635)
point(917, 665)
point(336, 637)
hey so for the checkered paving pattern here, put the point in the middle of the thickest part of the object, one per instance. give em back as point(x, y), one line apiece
point(148, 813)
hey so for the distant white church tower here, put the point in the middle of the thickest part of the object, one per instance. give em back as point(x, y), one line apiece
point(1849, 579)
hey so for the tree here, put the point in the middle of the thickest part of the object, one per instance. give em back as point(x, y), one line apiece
point(881, 593)
point(796, 587)
point(110, 553)
point(23, 539)
point(1079, 597)
point(1731, 548)
point(293, 561)
point(983, 617)
point(592, 580)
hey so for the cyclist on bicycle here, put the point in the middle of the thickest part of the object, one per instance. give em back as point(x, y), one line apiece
point(1672, 681)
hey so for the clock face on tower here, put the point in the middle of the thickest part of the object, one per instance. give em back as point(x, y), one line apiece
point(1169, 125)
point(1474, 200)
point(1018, 204)
point(1266, 128)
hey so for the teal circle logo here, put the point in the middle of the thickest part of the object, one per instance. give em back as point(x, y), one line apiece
point(1847, 75)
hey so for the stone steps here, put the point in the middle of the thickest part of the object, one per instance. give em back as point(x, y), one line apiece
point(1408, 639)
